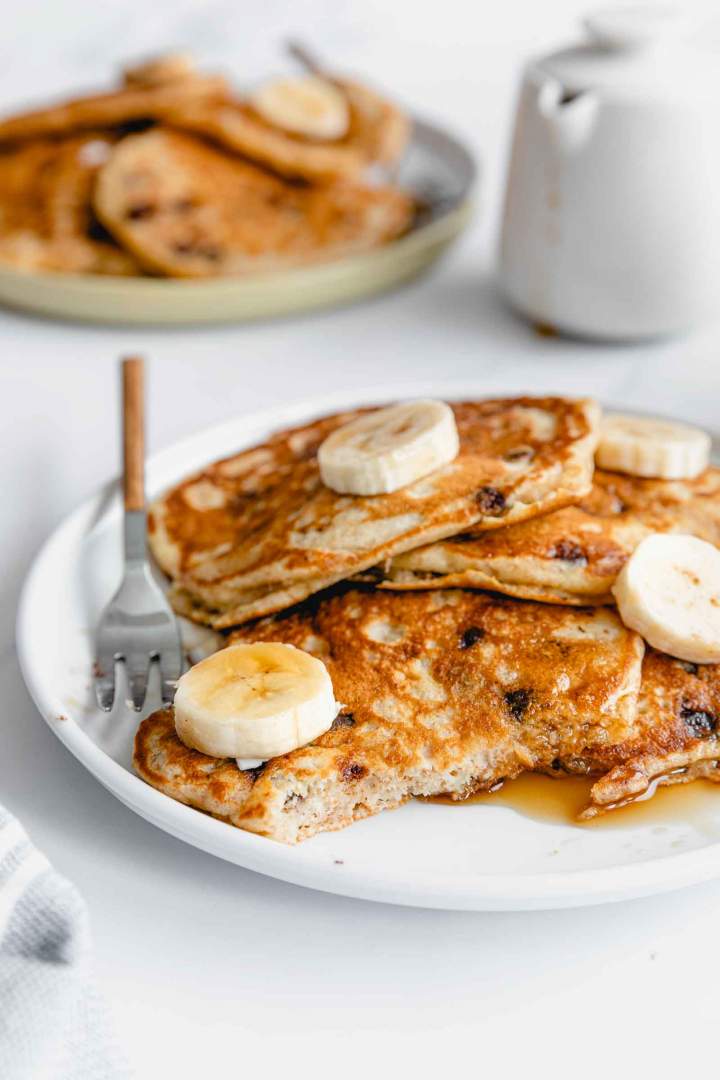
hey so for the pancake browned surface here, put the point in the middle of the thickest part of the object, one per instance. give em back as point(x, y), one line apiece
point(46, 218)
point(443, 692)
point(378, 133)
point(677, 737)
point(259, 531)
point(571, 556)
point(112, 109)
point(189, 210)
point(215, 785)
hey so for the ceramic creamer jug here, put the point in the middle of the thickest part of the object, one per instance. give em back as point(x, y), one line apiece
point(611, 225)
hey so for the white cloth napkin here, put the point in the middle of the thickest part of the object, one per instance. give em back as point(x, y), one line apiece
point(53, 1024)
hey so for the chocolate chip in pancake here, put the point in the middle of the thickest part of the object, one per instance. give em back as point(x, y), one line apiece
point(188, 210)
point(259, 531)
point(573, 555)
point(676, 738)
point(443, 692)
point(46, 218)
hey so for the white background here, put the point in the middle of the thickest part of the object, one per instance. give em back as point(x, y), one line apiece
point(208, 967)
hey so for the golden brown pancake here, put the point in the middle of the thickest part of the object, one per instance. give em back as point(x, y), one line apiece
point(677, 736)
point(259, 531)
point(571, 556)
point(188, 210)
point(378, 133)
point(214, 785)
point(443, 692)
point(113, 109)
point(46, 219)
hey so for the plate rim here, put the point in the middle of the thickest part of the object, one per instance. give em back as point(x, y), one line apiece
point(300, 865)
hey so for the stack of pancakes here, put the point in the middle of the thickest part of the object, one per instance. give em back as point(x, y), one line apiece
point(173, 174)
point(447, 687)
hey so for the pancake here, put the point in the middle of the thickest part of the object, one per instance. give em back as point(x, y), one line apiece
point(186, 209)
point(444, 692)
point(119, 107)
point(378, 133)
point(677, 737)
point(214, 785)
point(46, 219)
point(259, 531)
point(571, 556)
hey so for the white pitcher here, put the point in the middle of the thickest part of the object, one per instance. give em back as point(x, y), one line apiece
point(612, 214)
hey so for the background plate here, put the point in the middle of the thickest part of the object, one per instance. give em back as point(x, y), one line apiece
point(436, 167)
point(478, 857)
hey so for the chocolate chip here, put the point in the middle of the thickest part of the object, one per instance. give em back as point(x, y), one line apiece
point(95, 230)
point(140, 211)
point(132, 127)
point(555, 764)
point(569, 551)
point(343, 719)
point(353, 771)
point(470, 636)
point(490, 500)
point(699, 722)
point(520, 453)
point(517, 702)
point(202, 251)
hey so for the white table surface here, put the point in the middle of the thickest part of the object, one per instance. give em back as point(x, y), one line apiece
point(207, 965)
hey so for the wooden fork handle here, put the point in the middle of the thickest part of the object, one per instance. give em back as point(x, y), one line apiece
point(133, 433)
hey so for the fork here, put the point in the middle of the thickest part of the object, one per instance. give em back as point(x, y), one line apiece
point(137, 628)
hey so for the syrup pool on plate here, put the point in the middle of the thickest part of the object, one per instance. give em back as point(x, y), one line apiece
point(544, 798)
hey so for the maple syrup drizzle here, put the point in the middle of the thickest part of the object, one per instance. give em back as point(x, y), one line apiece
point(559, 801)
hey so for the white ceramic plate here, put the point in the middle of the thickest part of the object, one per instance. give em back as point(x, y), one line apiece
point(436, 167)
point(478, 857)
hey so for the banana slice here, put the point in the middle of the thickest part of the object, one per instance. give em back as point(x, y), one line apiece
point(389, 448)
point(254, 701)
point(669, 591)
point(642, 446)
point(160, 70)
point(307, 106)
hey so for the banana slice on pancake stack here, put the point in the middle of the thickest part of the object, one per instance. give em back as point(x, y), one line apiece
point(389, 448)
point(307, 106)
point(644, 446)
point(253, 702)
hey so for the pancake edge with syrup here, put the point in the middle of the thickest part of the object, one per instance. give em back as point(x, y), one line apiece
point(443, 692)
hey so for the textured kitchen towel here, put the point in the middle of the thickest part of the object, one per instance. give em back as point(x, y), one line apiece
point(53, 1025)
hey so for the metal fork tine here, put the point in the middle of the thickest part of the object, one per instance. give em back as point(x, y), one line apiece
point(105, 679)
point(137, 678)
point(171, 664)
point(167, 691)
point(137, 688)
point(105, 691)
